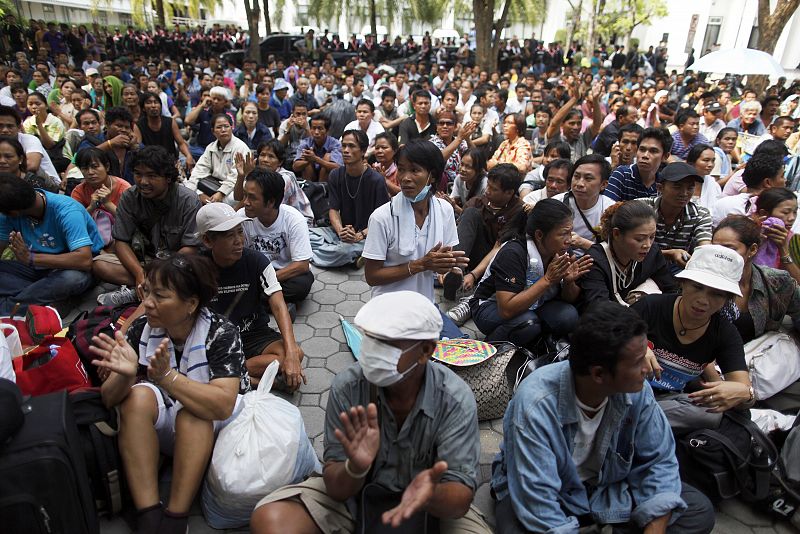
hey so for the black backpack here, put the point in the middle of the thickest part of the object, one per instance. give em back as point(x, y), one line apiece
point(735, 459)
point(98, 427)
point(317, 193)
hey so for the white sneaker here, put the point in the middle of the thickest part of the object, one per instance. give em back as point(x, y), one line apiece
point(460, 313)
point(123, 295)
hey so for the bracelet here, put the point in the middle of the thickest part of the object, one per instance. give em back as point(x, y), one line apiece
point(162, 377)
point(409, 269)
point(786, 260)
point(752, 394)
point(353, 474)
point(174, 378)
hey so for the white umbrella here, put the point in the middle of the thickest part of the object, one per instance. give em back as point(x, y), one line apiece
point(738, 61)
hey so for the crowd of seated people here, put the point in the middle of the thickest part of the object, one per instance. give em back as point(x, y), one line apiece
point(646, 218)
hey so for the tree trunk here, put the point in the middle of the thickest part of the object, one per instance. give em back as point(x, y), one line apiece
point(373, 19)
point(499, 27)
point(770, 27)
point(576, 22)
point(253, 15)
point(162, 20)
point(484, 22)
point(267, 23)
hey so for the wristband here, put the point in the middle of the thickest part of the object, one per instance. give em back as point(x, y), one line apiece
point(162, 377)
point(786, 260)
point(353, 474)
point(409, 269)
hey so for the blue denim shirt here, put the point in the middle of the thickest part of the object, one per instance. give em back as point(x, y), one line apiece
point(638, 479)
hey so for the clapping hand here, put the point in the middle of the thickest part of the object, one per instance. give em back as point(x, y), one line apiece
point(416, 496)
point(18, 246)
point(360, 436)
point(578, 268)
point(114, 354)
point(159, 362)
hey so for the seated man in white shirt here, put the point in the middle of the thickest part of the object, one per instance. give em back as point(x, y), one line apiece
point(557, 179)
point(588, 179)
point(278, 231)
point(365, 121)
point(763, 171)
point(35, 154)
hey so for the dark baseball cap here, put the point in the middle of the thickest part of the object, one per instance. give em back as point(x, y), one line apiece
point(675, 172)
point(714, 107)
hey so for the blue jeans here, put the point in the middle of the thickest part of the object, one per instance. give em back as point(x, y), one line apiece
point(330, 251)
point(557, 316)
point(20, 283)
point(196, 151)
point(449, 329)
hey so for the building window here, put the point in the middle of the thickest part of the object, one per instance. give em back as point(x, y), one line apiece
point(302, 14)
point(102, 18)
point(125, 19)
point(48, 9)
point(711, 38)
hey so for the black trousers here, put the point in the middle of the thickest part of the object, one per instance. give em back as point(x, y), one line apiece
point(297, 288)
point(473, 237)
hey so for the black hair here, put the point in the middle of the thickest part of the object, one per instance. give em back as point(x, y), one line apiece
point(366, 102)
point(426, 155)
point(118, 113)
point(625, 216)
point(661, 135)
point(696, 151)
point(782, 118)
point(543, 109)
point(18, 148)
point(772, 147)
point(8, 111)
point(219, 116)
point(597, 159)
point(747, 230)
point(390, 138)
point(157, 159)
point(15, 194)
point(723, 132)
point(420, 93)
point(361, 138)
point(479, 164)
point(684, 115)
point(86, 156)
point(546, 215)
point(146, 96)
point(601, 334)
point(273, 144)
point(768, 200)
point(573, 113)
point(40, 96)
point(324, 118)
point(271, 184)
point(450, 91)
point(631, 128)
point(507, 176)
point(560, 163)
point(760, 167)
point(302, 104)
point(564, 151)
point(189, 275)
point(87, 111)
point(388, 93)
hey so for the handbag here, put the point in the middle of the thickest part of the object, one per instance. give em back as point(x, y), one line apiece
point(524, 362)
point(52, 366)
point(317, 194)
point(773, 361)
point(208, 186)
point(735, 459)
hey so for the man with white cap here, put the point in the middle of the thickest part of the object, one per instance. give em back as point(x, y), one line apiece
point(401, 437)
point(246, 283)
point(586, 445)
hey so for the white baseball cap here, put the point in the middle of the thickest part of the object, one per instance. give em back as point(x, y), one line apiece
point(281, 84)
point(91, 71)
point(218, 217)
point(715, 266)
point(400, 315)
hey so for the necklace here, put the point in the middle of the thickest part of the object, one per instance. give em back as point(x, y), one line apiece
point(683, 330)
point(358, 188)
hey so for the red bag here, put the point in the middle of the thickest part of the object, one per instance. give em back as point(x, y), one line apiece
point(34, 323)
point(39, 372)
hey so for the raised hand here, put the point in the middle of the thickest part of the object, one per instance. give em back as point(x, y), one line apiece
point(360, 436)
point(578, 268)
point(416, 495)
point(114, 354)
point(159, 363)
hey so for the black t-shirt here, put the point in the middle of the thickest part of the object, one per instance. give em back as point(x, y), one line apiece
point(270, 118)
point(356, 197)
point(251, 278)
point(223, 350)
point(508, 271)
point(685, 362)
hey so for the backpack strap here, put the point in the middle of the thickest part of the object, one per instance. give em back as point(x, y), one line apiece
point(597, 236)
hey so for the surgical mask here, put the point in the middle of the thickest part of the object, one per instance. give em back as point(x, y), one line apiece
point(421, 195)
point(379, 362)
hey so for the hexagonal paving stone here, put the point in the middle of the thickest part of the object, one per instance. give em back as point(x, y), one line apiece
point(314, 420)
point(307, 307)
point(337, 334)
point(339, 362)
point(302, 332)
point(332, 277)
point(349, 308)
point(315, 362)
point(317, 286)
point(319, 446)
point(490, 444)
point(323, 320)
point(320, 347)
point(328, 296)
point(354, 287)
point(319, 380)
point(309, 399)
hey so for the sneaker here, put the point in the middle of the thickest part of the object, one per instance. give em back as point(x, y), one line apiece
point(123, 295)
point(452, 283)
point(460, 313)
point(360, 262)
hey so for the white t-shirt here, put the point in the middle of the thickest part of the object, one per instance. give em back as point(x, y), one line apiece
point(592, 215)
point(535, 196)
point(374, 129)
point(733, 205)
point(31, 143)
point(283, 242)
point(460, 189)
point(382, 234)
point(6, 368)
point(585, 440)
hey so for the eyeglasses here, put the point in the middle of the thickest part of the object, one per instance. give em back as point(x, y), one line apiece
point(446, 123)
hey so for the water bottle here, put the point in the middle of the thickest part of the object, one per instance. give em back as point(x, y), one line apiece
point(534, 272)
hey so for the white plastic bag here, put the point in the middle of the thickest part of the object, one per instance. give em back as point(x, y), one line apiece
point(773, 361)
point(9, 331)
point(264, 448)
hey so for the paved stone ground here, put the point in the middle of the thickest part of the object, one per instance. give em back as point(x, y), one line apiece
point(343, 292)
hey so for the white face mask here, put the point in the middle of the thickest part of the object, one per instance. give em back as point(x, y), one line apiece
point(379, 362)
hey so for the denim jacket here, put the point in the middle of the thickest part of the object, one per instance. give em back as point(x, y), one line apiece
point(638, 480)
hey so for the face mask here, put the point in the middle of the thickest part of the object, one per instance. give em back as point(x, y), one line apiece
point(379, 362)
point(421, 195)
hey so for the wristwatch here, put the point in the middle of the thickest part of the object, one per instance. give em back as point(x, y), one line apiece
point(752, 394)
point(787, 260)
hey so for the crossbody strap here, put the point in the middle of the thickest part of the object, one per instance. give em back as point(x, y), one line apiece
point(597, 236)
point(613, 267)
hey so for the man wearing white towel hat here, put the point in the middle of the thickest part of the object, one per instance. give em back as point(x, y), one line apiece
point(395, 426)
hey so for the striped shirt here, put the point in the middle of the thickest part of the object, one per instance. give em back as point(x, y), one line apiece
point(681, 149)
point(690, 229)
point(625, 183)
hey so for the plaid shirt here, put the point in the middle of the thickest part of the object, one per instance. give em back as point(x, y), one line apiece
point(680, 149)
point(691, 228)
